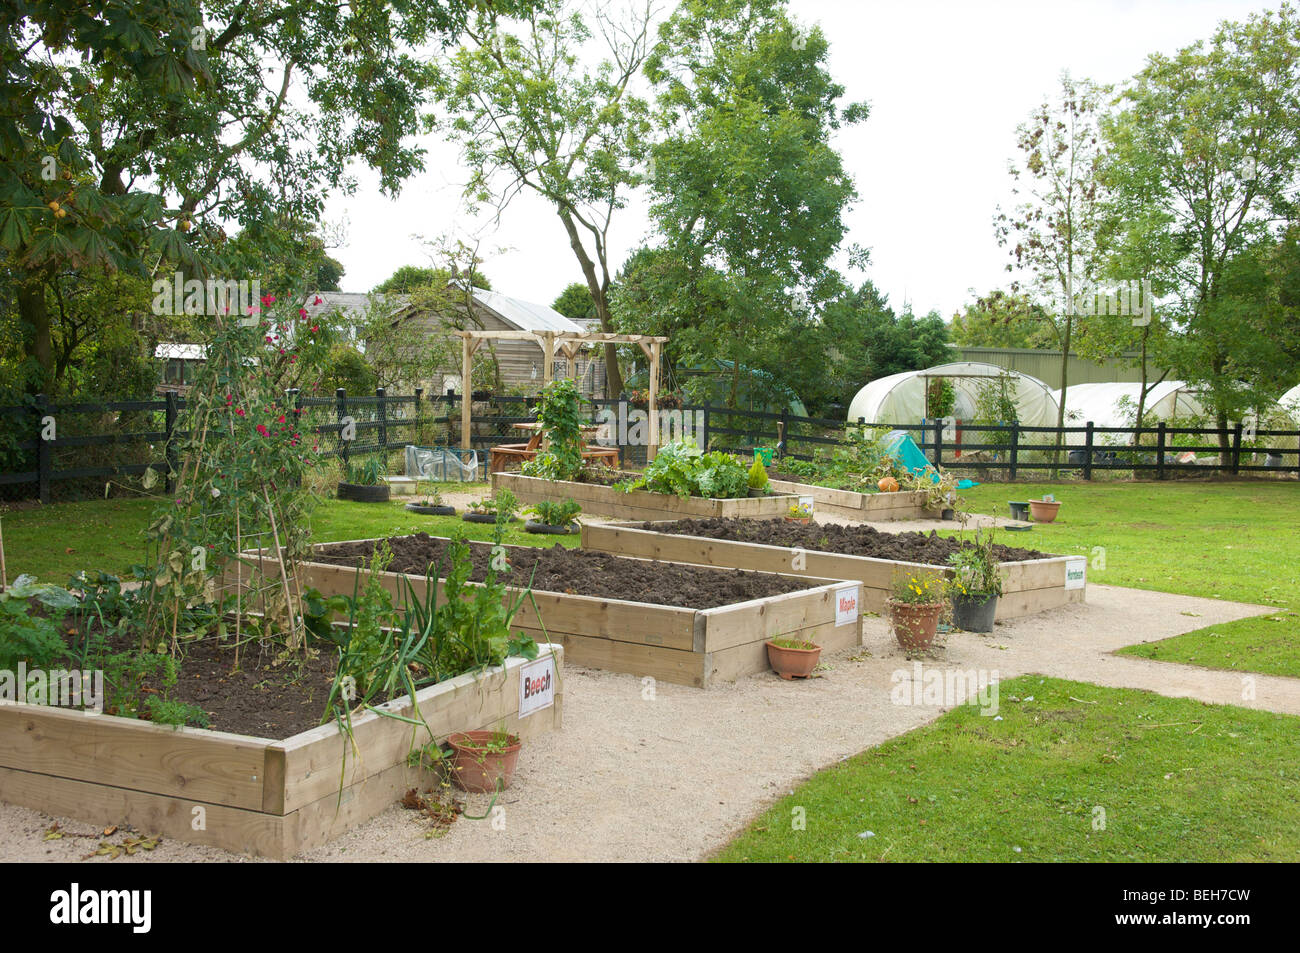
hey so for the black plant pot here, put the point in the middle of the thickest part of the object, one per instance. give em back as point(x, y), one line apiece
point(974, 613)
point(363, 494)
point(532, 526)
point(431, 510)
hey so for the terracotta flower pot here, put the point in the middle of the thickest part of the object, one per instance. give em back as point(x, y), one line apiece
point(793, 663)
point(915, 624)
point(477, 768)
point(1042, 511)
point(798, 519)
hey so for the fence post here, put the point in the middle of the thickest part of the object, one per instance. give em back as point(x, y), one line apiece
point(415, 430)
point(169, 453)
point(1160, 450)
point(783, 434)
point(1087, 450)
point(938, 442)
point(1236, 449)
point(706, 424)
point(44, 452)
point(1015, 446)
point(341, 411)
point(382, 413)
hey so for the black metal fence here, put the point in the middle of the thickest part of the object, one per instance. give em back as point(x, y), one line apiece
point(51, 451)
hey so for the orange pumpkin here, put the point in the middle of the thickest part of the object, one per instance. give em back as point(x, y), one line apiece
point(888, 485)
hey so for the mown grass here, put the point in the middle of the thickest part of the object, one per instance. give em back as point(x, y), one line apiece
point(1174, 779)
point(56, 542)
point(1219, 540)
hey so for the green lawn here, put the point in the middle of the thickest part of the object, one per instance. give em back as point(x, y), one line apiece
point(1221, 540)
point(56, 542)
point(1177, 780)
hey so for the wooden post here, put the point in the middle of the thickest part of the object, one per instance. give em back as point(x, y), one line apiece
point(466, 365)
point(652, 352)
point(1160, 451)
point(548, 356)
point(169, 453)
point(1236, 449)
point(1015, 445)
point(382, 413)
point(44, 450)
point(1087, 450)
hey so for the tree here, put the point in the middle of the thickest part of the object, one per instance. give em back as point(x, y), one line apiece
point(575, 302)
point(1206, 151)
point(409, 278)
point(529, 115)
point(1053, 229)
point(132, 134)
point(747, 191)
point(1000, 319)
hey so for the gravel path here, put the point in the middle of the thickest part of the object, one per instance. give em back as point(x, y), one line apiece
point(674, 777)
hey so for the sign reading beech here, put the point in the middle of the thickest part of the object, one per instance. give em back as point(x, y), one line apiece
point(133, 907)
point(846, 605)
point(536, 685)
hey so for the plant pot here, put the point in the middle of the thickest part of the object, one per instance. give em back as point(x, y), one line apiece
point(793, 663)
point(470, 517)
point(431, 510)
point(948, 513)
point(1019, 509)
point(477, 769)
point(762, 492)
point(363, 494)
point(532, 526)
point(974, 613)
point(915, 624)
point(1042, 511)
point(797, 519)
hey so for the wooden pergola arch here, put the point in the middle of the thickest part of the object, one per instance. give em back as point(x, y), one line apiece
point(568, 343)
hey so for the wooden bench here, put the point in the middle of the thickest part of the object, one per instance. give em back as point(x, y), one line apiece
point(500, 458)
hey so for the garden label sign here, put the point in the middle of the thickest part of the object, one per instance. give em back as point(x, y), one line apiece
point(846, 606)
point(536, 685)
point(806, 504)
point(1076, 572)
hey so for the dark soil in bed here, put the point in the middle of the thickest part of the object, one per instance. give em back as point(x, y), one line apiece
point(580, 572)
point(832, 538)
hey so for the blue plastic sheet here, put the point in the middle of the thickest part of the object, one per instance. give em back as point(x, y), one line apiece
point(903, 448)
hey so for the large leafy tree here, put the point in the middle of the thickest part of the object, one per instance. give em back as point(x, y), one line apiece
point(132, 135)
point(1004, 319)
point(749, 194)
point(530, 114)
point(1205, 156)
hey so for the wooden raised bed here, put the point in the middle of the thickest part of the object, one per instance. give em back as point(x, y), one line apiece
point(241, 793)
point(597, 500)
point(868, 507)
point(674, 644)
point(1028, 586)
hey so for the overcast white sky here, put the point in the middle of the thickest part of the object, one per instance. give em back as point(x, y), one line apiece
point(948, 83)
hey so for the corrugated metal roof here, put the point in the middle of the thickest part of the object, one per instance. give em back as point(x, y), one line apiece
point(525, 315)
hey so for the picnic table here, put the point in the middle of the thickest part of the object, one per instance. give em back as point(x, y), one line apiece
point(502, 456)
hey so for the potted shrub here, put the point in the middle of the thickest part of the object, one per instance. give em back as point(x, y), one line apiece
point(431, 505)
point(976, 585)
point(758, 478)
point(917, 602)
point(363, 483)
point(798, 514)
point(483, 762)
point(792, 658)
point(500, 508)
point(1044, 510)
point(556, 518)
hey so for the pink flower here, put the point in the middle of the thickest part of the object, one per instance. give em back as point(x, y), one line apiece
point(302, 312)
point(318, 300)
point(280, 419)
point(268, 300)
point(239, 411)
point(261, 428)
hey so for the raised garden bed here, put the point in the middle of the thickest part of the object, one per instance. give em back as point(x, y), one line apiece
point(869, 507)
point(605, 500)
point(1031, 581)
point(687, 624)
point(255, 795)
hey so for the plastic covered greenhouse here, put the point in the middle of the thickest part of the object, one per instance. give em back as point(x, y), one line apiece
point(903, 398)
point(1114, 404)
